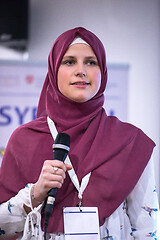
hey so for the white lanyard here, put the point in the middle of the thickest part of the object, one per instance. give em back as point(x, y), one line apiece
point(71, 172)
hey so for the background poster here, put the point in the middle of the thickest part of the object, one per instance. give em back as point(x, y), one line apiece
point(20, 87)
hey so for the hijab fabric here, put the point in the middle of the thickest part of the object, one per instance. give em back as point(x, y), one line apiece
point(115, 153)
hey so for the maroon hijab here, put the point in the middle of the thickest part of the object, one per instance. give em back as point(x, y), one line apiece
point(116, 153)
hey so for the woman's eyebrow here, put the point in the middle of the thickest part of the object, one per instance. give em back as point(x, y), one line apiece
point(70, 57)
point(91, 58)
point(87, 57)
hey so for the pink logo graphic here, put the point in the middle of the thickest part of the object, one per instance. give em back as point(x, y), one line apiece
point(30, 79)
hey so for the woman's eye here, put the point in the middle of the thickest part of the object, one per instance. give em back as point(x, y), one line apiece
point(92, 63)
point(68, 62)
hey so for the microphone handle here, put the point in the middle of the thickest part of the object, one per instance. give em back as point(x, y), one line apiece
point(59, 154)
point(50, 202)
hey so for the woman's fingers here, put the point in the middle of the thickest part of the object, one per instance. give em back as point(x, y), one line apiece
point(52, 175)
point(68, 167)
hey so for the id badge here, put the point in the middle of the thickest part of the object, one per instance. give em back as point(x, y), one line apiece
point(81, 223)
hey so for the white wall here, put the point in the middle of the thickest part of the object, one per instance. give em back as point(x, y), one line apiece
point(130, 31)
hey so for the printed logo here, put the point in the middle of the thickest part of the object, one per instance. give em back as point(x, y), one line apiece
point(30, 79)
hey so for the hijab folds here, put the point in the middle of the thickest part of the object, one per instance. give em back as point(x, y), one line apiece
point(115, 153)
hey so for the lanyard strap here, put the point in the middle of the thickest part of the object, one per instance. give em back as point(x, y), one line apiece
point(71, 172)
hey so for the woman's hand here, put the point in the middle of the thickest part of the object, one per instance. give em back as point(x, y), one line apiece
point(50, 178)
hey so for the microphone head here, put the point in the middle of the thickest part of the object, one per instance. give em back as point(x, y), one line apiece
point(61, 146)
point(62, 138)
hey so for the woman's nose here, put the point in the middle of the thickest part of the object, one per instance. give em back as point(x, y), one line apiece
point(80, 70)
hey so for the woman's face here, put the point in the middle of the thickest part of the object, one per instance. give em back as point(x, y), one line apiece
point(79, 75)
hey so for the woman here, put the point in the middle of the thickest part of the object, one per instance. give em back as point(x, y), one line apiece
point(114, 155)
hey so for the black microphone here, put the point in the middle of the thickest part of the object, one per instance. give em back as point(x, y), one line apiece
point(61, 148)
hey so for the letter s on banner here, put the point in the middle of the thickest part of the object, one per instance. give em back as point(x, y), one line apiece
point(5, 118)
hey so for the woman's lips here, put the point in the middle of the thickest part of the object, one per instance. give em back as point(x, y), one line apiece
point(80, 83)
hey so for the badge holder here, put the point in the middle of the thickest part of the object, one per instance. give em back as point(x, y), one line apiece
point(81, 223)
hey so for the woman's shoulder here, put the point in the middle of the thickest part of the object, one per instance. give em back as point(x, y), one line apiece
point(125, 129)
point(39, 124)
point(115, 123)
point(30, 129)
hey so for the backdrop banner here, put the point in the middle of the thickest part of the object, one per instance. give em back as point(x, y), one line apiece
point(21, 84)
